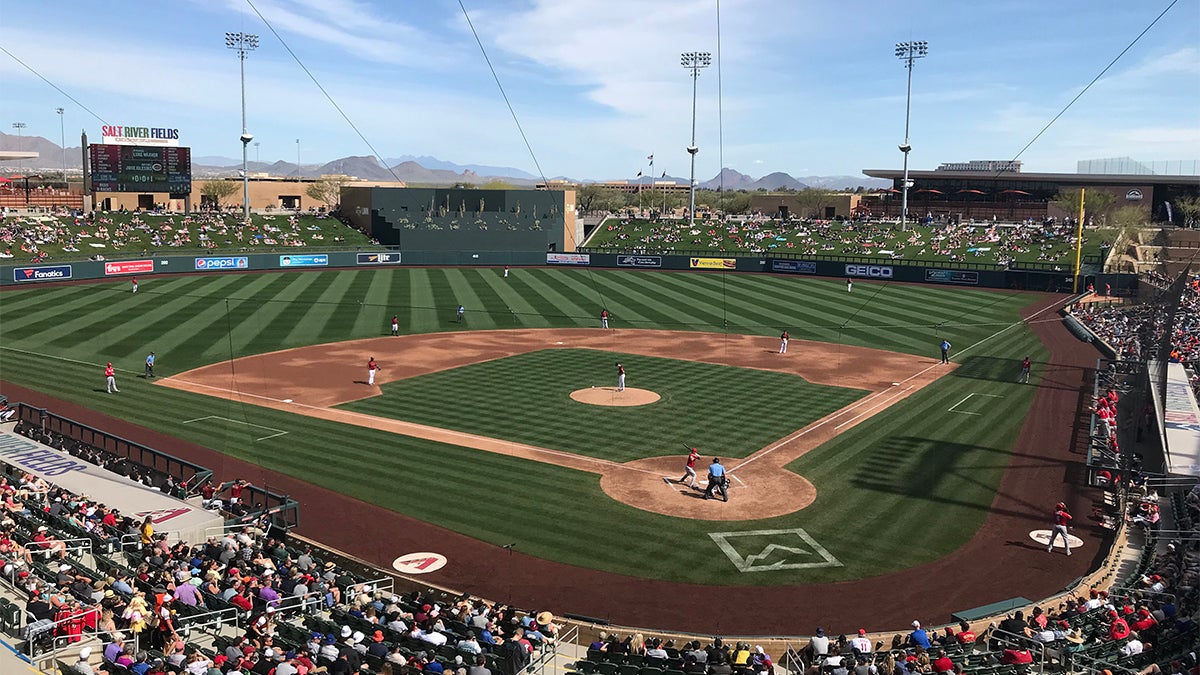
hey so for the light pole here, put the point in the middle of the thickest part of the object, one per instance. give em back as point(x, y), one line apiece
point(243, 42)
point(19, 126)
point(694, 61)
point(257, 152)
point(62, 132)
point(908, 52)
point(297, 160)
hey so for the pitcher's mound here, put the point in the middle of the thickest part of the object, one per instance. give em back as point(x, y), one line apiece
point(610, 396)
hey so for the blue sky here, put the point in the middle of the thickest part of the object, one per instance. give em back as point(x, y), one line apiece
point(808, 87)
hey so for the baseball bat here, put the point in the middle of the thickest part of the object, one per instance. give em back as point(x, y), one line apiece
point(689, 448)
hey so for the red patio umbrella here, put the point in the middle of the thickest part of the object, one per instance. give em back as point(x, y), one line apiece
point(936, 192)
point(889, 190)
point(973, 192)
point(5, 180)
point(1015, 192)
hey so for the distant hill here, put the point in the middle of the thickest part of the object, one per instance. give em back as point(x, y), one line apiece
point(842, 182)
point(481, 169)
point(50, 154)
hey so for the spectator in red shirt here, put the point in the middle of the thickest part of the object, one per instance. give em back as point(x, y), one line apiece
point(1118, 629)
point(942, 664)
point(965, 635)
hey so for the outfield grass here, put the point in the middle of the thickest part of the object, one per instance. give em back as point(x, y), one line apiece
point(902, 489)
point(526, 398)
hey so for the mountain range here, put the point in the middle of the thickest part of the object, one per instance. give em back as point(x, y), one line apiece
point(423, 170)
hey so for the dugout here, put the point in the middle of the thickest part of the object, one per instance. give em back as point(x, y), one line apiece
point(464, 219)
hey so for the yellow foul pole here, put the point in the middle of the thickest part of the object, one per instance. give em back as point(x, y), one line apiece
point(1078, 243)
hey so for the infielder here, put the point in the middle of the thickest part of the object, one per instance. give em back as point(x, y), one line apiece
point(372, 367)
point(1061, 520)
point(1025, 366)
point(620, 377)
point(604, 318)
point(783, 340)
point(110, 377)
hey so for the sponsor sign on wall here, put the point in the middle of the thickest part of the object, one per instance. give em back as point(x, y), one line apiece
point(235, 263)
point(303, 260)
point(392, 258)
point(45, 273)
point(952, 276)
point(639, 261)
point(713, 263)
point(568, 259)
point(129, 267)
point(794, 266)
point(870, 271)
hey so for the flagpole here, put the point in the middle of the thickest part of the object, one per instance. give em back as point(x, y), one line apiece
point(1078, 242)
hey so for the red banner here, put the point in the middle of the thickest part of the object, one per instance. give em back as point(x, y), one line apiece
point(129, 267)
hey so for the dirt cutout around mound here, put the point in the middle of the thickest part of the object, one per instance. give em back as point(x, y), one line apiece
point(311, 380)
point(618, 398)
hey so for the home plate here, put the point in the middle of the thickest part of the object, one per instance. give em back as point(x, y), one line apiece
point(287, 400)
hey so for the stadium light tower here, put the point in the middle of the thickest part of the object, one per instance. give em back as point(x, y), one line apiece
point(695, 62)
point(62, 131)
point(243, 42)
point(908, 52)
point(20, 127)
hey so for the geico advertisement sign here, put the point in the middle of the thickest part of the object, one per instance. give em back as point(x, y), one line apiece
point(873, 271)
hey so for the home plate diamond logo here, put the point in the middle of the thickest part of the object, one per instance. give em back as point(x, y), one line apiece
point(769, 550)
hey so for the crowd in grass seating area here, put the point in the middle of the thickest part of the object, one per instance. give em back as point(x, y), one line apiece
point(939, 239)
point(1127, 327)
point(28, 236)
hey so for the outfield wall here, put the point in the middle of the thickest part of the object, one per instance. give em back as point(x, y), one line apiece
point(930, 272)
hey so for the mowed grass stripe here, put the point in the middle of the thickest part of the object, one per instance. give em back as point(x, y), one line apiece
point(276, 311)
point(332, 287)
point(351, 307)
point(629, 300)
point(589, 298)
point(697, 308)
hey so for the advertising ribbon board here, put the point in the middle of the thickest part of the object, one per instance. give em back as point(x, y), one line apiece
point(713, 263)
point(794, 266)
point(236, 263)
point(45, 273)
point(639, 261)
point(129, 267)
point(303, 260)
point(392, 258)
point(952, 276)
point(568, 259)
point(869, 271)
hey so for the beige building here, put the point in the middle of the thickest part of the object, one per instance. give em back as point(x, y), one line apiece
point(265, 193)
point(801, 205)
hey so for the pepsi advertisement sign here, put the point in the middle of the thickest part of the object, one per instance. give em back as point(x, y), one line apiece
point(237, 263)
point(48, 273)
point(303, 260)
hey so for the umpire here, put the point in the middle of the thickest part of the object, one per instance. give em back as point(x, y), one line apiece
point(717, 480)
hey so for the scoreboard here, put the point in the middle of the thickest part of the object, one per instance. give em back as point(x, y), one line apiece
point(140, 168)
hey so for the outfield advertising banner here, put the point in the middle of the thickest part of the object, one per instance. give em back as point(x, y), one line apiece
point(869, 271)
point(303, 260)
point(794, 266)
point(129, 267)
point(235, 263)
point(952, 276)
point(379, 258)
point(45, 273)
point(713, 263)
point(568, 259)
point(639, 261)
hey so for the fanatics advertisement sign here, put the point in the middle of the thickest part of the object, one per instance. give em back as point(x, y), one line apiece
point(49, 273)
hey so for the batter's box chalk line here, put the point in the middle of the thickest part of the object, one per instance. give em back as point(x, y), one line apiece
point(278, 432)
point(784, 550)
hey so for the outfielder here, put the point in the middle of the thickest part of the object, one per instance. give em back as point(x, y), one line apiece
point(110, 378)
point(372, 367)
point(395, 324)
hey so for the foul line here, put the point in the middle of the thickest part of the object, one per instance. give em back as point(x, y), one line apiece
point(854, 406)
point(64, 358)
point(964, 412)
point(278, 432)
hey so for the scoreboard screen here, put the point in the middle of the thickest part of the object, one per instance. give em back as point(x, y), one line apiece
point(141, 168)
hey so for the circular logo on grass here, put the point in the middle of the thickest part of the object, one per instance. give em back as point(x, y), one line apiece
point(419, 563)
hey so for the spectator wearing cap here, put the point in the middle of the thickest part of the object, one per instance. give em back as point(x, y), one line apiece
point(860, 643)
point(918, 637)
point(1118, 628)
point(329, 650)
point(83, 666)
point(818, 645)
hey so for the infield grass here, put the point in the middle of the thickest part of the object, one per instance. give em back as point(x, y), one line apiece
point(526, 398)
point(904, 488)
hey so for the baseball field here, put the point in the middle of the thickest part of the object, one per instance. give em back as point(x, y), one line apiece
point(855, 455)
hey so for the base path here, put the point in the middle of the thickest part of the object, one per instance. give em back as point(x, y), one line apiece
point(1044, 468)
point(310, 380)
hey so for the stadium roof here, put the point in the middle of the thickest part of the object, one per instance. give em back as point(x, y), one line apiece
point(1066, 178)
point(8, 155)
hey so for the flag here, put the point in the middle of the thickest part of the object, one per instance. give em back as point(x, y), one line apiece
point(651, 158)
point(639, 174)
point(664, 174)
